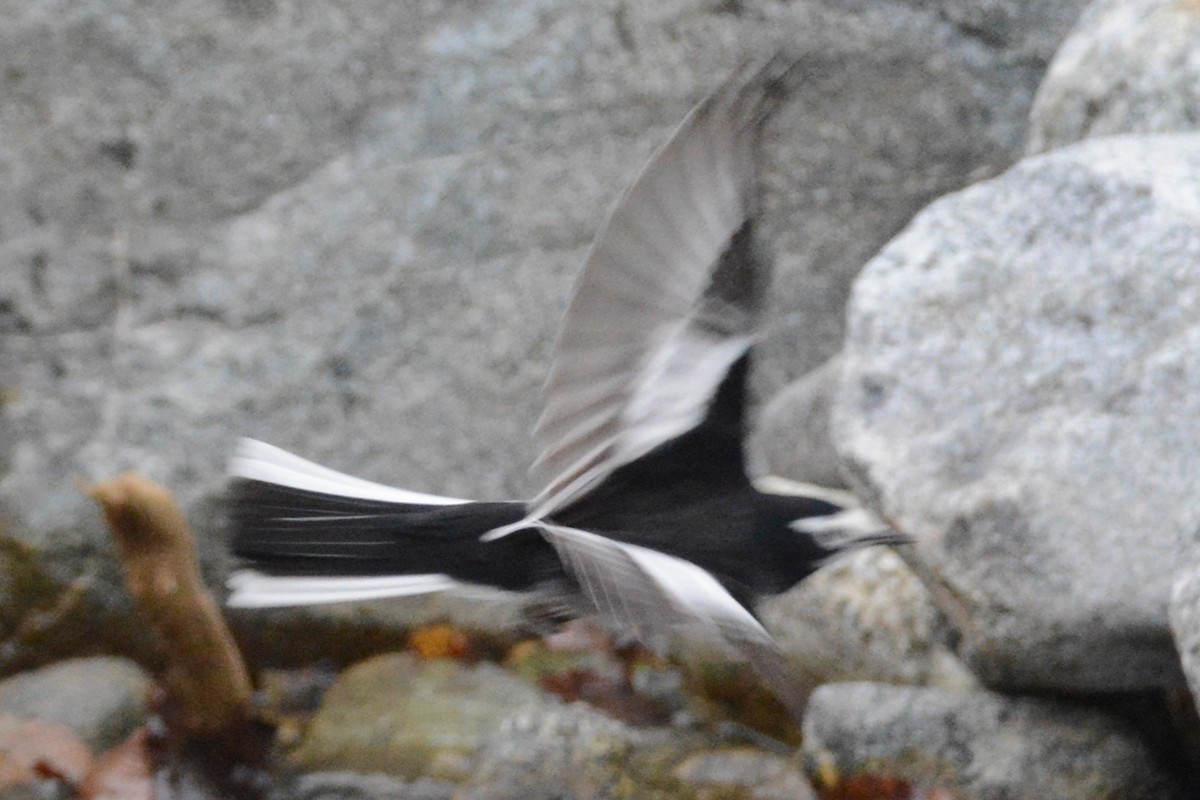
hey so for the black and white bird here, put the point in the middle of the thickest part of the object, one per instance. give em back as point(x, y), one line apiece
point(647, 514)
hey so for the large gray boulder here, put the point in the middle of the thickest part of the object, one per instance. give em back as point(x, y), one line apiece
point(1129, 66)
point(981, 745)
point(1026, 29)
point(350, 229)
point(1021, 394)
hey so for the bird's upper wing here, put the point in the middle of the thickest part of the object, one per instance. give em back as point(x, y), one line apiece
point(667, 302)
point(655, 594)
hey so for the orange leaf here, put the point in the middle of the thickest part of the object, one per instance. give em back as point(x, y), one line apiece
point(440, 641)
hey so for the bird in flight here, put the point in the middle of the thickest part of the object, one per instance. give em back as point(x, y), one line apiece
point(646, 514)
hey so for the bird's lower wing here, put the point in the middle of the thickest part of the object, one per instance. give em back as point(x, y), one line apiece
point(655, 594)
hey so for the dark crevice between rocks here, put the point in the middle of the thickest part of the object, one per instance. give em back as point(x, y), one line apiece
point(1168, 721)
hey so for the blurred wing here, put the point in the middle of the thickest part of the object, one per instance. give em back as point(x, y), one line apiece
point(652, 593)
point(668, 300)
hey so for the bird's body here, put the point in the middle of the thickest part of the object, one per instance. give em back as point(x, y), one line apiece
point(647, 514)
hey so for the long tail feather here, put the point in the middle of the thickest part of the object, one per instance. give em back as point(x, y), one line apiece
point(259, 461)
point(253, 589)
point(307, 534)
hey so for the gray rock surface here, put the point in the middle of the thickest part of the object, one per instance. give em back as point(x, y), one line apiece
point(1031, 29)
point(102, 699)
point(352, 786)
point(759, 775)
point(1021, 395)
point(793, 439)
point(980, 745)
point(1129, 66)
point(41, 790)
point(866, 617)
point(557, 750)
point(349, 228)
point(399, 715)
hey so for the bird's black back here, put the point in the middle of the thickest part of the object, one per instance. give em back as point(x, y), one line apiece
point(691, 498)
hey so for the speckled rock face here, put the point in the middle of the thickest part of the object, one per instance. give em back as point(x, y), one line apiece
point(101, 698)
point(793, 438)
point(864, 617)
point(1021, 394)
point(494, 736)
point(981, 745)
point(398, 715)
point(1129, 66)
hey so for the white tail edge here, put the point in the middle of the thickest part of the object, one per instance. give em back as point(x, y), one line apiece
point(260, 461)
point(774, 484)
point(252, 589)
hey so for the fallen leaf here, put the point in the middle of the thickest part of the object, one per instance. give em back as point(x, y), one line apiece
point(440, 641)
point(32, 750)
point(869, 787)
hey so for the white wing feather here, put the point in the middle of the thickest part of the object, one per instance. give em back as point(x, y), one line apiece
point(648, 336)
point(656, 594)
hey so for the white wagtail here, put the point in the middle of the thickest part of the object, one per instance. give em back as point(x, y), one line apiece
point(647, 514)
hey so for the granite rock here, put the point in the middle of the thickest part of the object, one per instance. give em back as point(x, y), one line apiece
point(981, 745)
point(1129, 66)
point(866, 617)
point(793, 439)
point(759, 775)
point(353, 786)
point(429, 724)
point(1020, 394)
point(398, 715)
point(103, 699)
